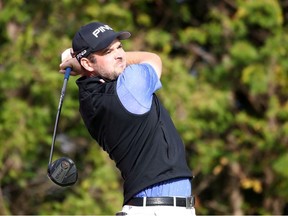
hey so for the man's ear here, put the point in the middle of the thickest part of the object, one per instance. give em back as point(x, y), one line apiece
point(86, 64)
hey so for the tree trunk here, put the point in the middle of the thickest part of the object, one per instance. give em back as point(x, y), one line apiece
point(233, 189)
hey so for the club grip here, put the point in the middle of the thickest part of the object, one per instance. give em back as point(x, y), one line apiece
point(67, 73)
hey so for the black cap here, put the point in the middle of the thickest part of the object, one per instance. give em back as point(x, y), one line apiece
point(93, 37)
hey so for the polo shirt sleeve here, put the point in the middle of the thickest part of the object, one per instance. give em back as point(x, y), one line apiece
point(135, 87)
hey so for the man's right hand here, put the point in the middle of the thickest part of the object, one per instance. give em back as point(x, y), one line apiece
point(71, 62)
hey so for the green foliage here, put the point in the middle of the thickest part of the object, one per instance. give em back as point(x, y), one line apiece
point(280, 165)
point(159, 40)
point(243, 52)
point(266, 13)
point(255, 77)
point(191, 34)
point(225, 81)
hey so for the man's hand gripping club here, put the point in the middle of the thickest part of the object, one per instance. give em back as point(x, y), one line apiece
point(71, 62)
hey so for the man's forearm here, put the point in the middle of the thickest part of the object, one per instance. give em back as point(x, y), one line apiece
point(138, 57)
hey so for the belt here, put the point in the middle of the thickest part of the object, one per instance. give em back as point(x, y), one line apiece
point(187, 202)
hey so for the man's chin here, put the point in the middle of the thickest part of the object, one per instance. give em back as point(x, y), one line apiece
point(120, 70)
point(122, 66)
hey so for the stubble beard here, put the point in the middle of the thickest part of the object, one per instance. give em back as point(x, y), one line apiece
point(119, 68)
point(115, 73)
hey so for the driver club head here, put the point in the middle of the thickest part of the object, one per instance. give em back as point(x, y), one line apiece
point(63, 172)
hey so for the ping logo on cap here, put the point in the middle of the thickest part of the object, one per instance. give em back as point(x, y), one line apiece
point(101, 29)
point(81, 54)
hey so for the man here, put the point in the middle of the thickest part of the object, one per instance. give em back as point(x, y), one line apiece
point(122, 113)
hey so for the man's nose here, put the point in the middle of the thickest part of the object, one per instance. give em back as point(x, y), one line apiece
point(119, 54)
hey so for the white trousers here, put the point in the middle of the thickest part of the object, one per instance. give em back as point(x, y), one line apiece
point(157, 211)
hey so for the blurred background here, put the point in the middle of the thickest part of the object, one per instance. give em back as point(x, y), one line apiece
point(225, 83)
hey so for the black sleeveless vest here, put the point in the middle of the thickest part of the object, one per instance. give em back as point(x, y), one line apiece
point(146, 148)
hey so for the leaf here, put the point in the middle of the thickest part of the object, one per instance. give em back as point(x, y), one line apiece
point(280, 165)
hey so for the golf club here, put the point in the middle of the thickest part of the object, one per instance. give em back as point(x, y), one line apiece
point(62, 171)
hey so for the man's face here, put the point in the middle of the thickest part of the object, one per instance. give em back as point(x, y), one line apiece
point(111, 61)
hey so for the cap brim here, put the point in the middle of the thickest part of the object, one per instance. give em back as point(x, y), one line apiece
point(123, 35)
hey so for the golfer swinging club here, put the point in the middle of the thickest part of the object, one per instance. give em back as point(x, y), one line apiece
point(122, 113)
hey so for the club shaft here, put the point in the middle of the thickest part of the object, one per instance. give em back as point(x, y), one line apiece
point(66, 78)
